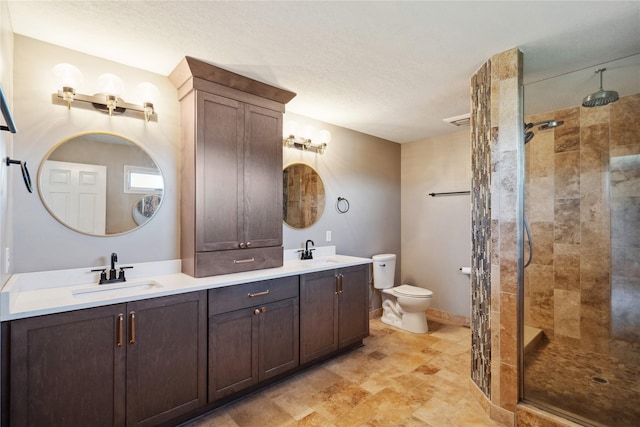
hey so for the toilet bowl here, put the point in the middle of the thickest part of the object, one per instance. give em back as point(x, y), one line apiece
point(403, 306)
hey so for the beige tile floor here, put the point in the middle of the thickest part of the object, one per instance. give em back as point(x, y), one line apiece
point(396, 379)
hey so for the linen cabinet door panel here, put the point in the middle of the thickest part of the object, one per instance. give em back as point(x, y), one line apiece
point(68, 370)
point(166, 357)
point(263, 177)
point(318, 315)
point(279, 338)
point(220, 170)
point(354, 304)
point(233, 354)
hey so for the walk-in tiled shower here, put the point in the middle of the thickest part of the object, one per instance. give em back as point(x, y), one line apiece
point(582, 288)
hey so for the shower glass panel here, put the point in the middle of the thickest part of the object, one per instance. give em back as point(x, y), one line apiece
point(581, 346)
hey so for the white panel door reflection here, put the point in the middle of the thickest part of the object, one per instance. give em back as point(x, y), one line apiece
point(76, 194)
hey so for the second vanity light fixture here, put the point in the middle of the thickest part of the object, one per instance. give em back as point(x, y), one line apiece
point(110, 88)
point(308, 139)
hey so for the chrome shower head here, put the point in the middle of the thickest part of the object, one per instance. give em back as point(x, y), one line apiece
point(600, 97)
point(550, 124)
point(544, 125)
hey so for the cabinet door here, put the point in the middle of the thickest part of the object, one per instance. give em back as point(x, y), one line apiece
point(262, 177)
point(279, 338)
point(318, 315)
point(354, 304)
point(166, 357)
point(219, 173)
point(233, 352)
point(68, 370)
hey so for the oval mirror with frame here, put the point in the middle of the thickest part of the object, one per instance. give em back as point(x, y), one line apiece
point(93, 183)
point(303, 196)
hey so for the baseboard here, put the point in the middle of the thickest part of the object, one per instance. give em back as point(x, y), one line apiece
point(496, 413)
point(447, 318)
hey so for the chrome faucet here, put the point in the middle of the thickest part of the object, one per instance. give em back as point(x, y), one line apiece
point(306, 254)
point(112, 272)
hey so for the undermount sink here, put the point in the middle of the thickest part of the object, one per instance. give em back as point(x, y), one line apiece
point(318, 262)
point(113, 290)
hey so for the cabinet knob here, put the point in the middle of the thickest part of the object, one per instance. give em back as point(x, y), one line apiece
point(248, 244)
point(242, 245)
point(258, 311)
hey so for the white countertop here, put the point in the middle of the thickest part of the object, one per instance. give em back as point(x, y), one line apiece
point(35, 294)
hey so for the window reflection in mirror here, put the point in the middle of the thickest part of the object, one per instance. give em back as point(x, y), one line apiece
point(85, 183)
point(303, 196)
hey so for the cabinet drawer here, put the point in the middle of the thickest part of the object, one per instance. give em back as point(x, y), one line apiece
point(237, 260)
point(235, 297)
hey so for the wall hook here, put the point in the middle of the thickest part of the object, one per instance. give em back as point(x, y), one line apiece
point(25, 172)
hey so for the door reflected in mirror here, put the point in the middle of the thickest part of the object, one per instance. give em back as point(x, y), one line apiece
point(304, 195)
point(93, 182)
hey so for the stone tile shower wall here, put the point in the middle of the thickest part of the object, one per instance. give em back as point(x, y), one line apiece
point(495, 286)
point(583, 204)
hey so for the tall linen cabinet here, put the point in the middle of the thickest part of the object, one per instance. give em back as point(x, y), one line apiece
point(231, 170)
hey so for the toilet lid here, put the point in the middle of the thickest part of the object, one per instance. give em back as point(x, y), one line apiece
point(413, 291)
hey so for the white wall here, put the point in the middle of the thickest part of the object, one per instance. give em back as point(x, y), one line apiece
point(436, 231)
point(40, 241)
point(6, 138)
point(362, 168)
point(366, 171)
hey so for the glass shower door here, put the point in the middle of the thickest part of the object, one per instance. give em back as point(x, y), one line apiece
point(582, 289)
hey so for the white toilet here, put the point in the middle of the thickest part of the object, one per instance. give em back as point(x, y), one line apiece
point(403, 306)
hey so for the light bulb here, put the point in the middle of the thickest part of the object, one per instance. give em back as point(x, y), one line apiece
point(148, 94)
point(290, 128)
point(69, 78)
point(110, 84)
point(323, 137)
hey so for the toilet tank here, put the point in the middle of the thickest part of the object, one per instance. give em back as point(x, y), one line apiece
point(384, 270)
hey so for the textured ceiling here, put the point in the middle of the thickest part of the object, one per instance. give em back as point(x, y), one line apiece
point(393, 69)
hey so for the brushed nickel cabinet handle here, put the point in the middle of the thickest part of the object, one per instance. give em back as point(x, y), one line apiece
point(258, 294)
point(337, 284)
point(342, 283)
point(120, 331)
point(132, 327)
point(243, 261)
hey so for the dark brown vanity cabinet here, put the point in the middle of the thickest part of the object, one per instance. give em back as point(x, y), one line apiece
point(135, 364)
point(253, 334)
point(334, 311)
point(231, 176)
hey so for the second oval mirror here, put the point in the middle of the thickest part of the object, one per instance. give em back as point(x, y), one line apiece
point(304, 196)
point(93, 182)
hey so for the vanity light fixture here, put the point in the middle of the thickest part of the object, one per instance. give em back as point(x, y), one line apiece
point(108, 99)
point(309, 141)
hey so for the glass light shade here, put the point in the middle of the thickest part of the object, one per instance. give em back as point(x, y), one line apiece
point(147, 93)
point(290, 128)
point(110, 84)
point(323, 137)
point(67, 75)
point(308, 132)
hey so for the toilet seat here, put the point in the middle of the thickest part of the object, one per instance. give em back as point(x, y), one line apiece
point(413, 291)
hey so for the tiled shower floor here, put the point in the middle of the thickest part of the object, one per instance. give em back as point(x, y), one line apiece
point(597, 387)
